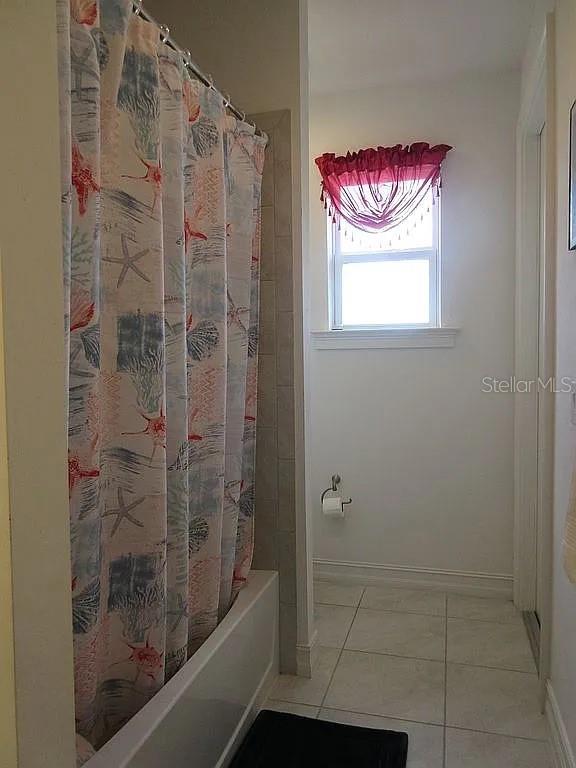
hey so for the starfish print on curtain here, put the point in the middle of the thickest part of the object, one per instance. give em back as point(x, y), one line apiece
point(128, 261)
point(122, 512)
point(160, 211)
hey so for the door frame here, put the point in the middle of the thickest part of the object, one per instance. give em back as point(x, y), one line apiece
point(533, 532)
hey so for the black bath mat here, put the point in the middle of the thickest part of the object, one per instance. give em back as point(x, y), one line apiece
point(280, 740)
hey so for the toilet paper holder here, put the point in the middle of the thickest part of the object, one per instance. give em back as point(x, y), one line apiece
point(336, 480)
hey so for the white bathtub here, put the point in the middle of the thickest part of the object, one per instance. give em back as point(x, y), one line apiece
point(202, 713)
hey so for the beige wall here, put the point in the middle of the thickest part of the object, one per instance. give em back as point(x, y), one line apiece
point(33, 365)
point(249, 46)
point(8, 751)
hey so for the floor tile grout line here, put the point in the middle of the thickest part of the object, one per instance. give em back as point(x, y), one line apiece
point(424, 722)
point(423, 658)
point(297, 703)
point(497, 598)
point(376, 714)
point(414, 722)
point(392, 655)
point(494, 669)
point(403, 613)
point(383, 610)
point(381, 717)
point(500, 622)
point(341, 652)
point(495, 733)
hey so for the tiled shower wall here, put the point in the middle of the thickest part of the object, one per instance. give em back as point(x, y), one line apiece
point(275, 546)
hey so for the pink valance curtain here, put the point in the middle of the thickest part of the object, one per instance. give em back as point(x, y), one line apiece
point(376, 189)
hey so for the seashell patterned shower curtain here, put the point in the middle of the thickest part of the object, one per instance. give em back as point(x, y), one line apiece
point(161, 206)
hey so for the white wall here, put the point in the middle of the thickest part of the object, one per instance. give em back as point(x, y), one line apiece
point(563, 674)
point(563, 630)
point(426, 456)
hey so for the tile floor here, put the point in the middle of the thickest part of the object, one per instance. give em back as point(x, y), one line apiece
point(454, 672)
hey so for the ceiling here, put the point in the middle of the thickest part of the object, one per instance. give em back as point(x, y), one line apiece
point(366, 43)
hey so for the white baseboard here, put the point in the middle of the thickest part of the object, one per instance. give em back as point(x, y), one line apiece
point(469, 582)
point(305, 656)
point(561, 749)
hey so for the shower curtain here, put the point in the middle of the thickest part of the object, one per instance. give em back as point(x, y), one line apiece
point(161, 201)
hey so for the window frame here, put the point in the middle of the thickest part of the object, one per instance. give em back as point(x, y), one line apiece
point(338, 259)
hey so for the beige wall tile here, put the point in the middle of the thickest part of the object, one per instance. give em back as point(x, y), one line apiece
point(283, 203)
point(267, 301)
point(285, 348)
point(283, 176)
point(267, 345)
point(286, 548)
point(267, 391)
point(267, 121)
point(266, 465)
point(267, 268)
point(286, 505)
point(268, 194)
point(283, 144)
point(288, 639)
point(265, 545)
point(285, 423)
point(275, 509)
point(284, 274)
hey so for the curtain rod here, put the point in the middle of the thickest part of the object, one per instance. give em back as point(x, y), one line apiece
point(139, 10)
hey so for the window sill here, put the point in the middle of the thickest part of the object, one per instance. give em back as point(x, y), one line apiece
point(385, 338)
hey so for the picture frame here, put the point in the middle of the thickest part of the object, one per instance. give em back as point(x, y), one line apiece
point(572, 188)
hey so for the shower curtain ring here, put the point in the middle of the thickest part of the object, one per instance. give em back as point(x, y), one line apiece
point(243, 116)
point(187, 56)
point(210, 81)
point(137, 7)
point(164, 33)
point(226, 100)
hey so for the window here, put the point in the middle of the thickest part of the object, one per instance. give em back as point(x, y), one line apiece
point(390, 279)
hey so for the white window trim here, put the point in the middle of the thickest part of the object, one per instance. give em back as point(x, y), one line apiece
point(337, 260)
point(385, 338)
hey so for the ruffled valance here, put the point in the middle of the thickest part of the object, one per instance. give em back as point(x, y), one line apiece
point(376, 189)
